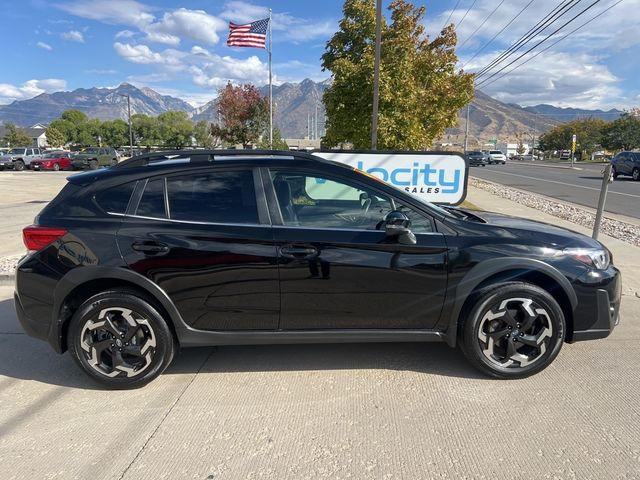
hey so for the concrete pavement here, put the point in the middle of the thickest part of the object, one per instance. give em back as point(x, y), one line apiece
point(371, 411)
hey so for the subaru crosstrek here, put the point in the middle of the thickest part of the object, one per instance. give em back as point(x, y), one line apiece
point(194, 248)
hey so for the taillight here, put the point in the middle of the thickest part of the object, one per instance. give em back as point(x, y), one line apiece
point(36, 238)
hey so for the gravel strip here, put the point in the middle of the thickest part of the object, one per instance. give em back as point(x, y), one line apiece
point(8, 265)
point(614, 228)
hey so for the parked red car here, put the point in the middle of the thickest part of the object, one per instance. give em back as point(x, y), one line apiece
point(53, 161)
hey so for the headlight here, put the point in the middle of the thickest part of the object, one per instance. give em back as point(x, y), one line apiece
point(594, 257)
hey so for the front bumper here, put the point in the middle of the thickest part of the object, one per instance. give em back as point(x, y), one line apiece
point(6, 164)
point(598, 310)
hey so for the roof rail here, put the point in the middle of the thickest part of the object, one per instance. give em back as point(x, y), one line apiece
point(203, 156)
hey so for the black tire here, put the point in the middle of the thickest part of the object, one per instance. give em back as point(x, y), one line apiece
point(143, 350)
point(614, 172)
point(18, 165)
point(93, 164)
point(56, 167)
point(635, 174)
point(490, 335)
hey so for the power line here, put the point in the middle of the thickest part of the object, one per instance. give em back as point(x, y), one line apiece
point(465, 14)
point(481, 25)
point(497, 34)
point(547, 20)
point(450, 14)
point(537, 44)
point(555, 43)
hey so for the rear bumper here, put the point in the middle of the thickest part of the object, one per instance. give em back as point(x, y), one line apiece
point(598, 310)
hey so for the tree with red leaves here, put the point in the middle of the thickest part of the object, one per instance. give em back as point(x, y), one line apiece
point(244, 115)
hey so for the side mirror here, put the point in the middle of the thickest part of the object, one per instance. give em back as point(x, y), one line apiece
point(396, 225)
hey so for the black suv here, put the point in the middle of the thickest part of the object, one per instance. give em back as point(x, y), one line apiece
point(195, 248)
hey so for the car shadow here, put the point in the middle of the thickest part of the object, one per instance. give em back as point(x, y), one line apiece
point(26, 358)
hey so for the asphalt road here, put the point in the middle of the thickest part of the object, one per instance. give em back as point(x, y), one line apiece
point(575, 186)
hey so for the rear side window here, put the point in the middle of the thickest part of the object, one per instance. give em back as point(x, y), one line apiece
point(115, 199)
point(152, 202)
point(216, 197)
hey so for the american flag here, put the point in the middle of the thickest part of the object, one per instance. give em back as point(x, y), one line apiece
point(252, 34)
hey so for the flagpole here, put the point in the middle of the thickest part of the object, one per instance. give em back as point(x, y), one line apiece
point(270, 89)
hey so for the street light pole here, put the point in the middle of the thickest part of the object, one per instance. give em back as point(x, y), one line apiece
point(376, 77)
point(466, 129)
point(129, 115)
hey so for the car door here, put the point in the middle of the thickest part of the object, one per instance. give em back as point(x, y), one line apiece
point(337, 267)
point(620, 162)
point(204, 237)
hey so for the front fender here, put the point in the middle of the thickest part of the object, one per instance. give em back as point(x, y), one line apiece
point(488, 268)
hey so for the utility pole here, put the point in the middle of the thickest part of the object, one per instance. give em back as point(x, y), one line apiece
point(466, 129)
point(376, 77)
point(129, 114)
point(315, 132)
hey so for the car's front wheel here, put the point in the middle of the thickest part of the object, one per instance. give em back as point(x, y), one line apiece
point(120, 340)
point(635, 174)
point(18, 165)
point(512, 330)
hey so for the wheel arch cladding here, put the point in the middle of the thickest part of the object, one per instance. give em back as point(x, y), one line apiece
point(499, 270)
point(79, 285)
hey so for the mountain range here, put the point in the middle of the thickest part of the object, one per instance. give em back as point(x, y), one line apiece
point(295, 106)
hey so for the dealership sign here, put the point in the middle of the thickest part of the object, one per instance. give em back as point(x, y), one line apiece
point(438, 177)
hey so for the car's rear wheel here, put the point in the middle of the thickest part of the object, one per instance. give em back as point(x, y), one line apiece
point(636, 174)
point(512, 330)
point(120, 340)
point(56, 166)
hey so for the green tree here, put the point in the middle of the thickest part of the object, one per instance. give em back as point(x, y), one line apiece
point(55, 137)
point(16, 137)
point(278, 141)
point(244, 114)
point(421, 91)
point(622, 134)
point(65, 127)
point(589, 136)
point(146, 130)
point(175, 129)
point(115, 133)
point(88, 133)
point(203, 136)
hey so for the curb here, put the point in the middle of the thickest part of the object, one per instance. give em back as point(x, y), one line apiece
point(534, 164)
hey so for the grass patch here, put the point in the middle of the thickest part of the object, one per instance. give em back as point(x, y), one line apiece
point(468, 205)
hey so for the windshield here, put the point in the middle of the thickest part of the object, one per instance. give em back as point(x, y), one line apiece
point(53, 155)
point(16, 151)
point(436, 208)
point(496, 152)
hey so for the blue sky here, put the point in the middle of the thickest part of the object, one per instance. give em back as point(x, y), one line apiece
point(178, 47)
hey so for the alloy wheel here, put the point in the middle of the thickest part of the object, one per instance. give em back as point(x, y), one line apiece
point(515, 333)
point(118, 343)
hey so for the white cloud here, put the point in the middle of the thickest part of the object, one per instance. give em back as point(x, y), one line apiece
point(29, 89)
point(196, 25)
point(137, 53)
point(44, 46)
point(99, 71)
point(118, 12)
point(558, 78)
point(284, 25)
point(73, 36)
point(124, 34)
